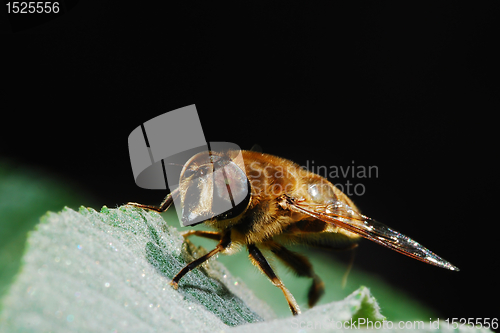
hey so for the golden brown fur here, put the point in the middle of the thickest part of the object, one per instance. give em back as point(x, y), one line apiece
point(270, 178)
point(276, 202)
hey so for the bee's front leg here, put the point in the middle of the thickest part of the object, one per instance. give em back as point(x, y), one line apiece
point(164, 206)
point(225, 241)
point(215, 235)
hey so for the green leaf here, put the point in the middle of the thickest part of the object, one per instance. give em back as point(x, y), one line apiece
point(103, 271)
point(25, 195)
point(109, 271)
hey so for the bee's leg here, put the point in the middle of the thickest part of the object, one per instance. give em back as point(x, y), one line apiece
point(215, 235)
point(302, 267)
point(225, 241)
point(163, 206)
point(258, 259)
point(348, 247)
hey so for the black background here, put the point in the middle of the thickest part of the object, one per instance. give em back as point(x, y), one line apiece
point(410, 88)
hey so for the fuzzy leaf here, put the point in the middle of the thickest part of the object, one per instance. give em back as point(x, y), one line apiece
point(108, 271)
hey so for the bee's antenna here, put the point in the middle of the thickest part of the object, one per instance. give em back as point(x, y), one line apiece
point(181, 165)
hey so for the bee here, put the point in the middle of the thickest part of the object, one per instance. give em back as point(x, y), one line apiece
point(279, 203)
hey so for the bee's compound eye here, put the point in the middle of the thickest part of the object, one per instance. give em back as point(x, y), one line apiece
point(231, 190)
point(232, 181)
point(188, 173)
point(202, 171)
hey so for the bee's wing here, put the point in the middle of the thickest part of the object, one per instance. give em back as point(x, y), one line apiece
point(343, 216)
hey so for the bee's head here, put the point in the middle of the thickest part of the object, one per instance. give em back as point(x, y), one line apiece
point(213, 185)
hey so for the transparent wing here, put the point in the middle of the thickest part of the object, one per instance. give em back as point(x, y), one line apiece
point(343, 216)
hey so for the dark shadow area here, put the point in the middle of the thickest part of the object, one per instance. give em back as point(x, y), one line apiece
point(198, 287)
